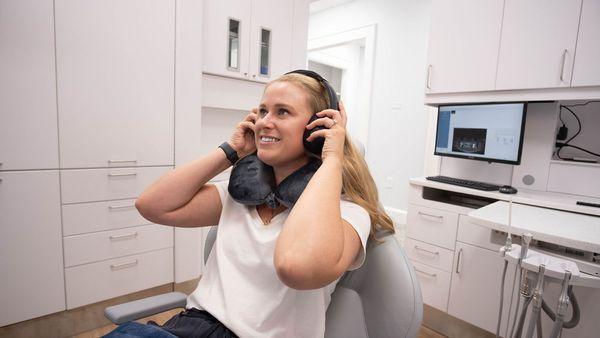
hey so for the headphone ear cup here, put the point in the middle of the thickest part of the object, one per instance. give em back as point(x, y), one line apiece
point(316, 145)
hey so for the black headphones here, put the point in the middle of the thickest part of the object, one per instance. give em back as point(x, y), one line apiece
point(316, 146)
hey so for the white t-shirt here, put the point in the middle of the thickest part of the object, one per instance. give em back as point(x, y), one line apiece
point(240, 286)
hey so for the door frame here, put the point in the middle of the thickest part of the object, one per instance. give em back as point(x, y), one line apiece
point(367, 34)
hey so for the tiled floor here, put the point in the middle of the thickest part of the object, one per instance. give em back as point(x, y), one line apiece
point(163, 317)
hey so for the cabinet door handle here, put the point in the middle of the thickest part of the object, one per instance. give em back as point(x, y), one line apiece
point(458, 260)
point(123, 265)
point(435, 253)
point(116, 207)
point(125, 236)
point(439, 218)
point(562, 69)
point(429, 76)
point(432, 275)
point(121, 175)
point(121, 161)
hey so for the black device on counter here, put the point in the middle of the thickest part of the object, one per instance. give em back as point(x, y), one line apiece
point(507, 189)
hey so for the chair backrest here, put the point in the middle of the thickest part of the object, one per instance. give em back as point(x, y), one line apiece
point(380, 299)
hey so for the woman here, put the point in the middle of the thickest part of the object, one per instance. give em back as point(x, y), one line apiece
point(271, 271)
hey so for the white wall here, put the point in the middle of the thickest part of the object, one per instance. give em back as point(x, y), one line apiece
point(398, 122)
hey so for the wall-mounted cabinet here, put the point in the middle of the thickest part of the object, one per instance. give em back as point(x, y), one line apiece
point(115, 82)
point(587, 69)
point(537, 46)
point(463, 45)
point(249, 40)
point(513, 50)
point(28, 133)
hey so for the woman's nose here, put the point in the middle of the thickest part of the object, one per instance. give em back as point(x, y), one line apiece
point(266, 121)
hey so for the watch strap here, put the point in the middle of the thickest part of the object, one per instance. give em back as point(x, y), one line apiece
point(231, 154)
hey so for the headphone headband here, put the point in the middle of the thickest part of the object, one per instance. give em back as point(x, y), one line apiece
point(333, 99)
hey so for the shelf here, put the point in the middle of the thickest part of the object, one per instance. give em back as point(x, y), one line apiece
point(577, 164)
point(530, 95)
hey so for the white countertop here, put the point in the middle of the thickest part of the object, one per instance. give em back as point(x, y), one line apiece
point(524, 196)
point(554, 226)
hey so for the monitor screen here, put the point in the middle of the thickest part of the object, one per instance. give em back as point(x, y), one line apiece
point(490, 132)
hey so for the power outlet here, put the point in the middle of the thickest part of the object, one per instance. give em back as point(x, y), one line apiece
point(389, 182)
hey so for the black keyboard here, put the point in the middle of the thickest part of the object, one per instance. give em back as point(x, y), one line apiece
point(465, 183)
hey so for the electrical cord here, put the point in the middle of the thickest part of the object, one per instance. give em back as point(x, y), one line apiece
point(566, 143)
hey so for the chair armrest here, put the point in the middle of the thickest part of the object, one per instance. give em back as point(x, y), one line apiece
point(145, 307)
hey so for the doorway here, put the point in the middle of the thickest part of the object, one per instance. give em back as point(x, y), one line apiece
point(345, 59)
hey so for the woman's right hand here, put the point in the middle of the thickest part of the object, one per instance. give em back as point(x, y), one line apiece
point(242, 140)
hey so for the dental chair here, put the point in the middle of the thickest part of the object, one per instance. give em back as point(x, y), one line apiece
point(380, 299)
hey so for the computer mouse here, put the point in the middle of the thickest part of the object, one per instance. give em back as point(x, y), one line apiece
point(507, 189)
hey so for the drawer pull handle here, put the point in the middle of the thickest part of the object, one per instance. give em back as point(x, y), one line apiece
point(121, 161)
point(562, 69)
point(123, 265)
point(121, 175)
point(439, 218)
point(432, 275)
point(435, 253)
point(458, 260)
point(116, 207)
point(126, 236)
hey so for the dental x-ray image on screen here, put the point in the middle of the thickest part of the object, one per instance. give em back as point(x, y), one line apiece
point(469, 140)
point(491, 132)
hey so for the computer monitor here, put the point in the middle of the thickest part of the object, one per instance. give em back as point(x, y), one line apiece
point(491, 132)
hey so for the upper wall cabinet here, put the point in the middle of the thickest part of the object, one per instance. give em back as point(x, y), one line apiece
point(115, 79)
point(463, 45)
point(28, 131)
point(248, 39)
point(587, 69)
point(537, 46)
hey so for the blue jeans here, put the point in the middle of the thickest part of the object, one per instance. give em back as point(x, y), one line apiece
point(137, 330)
point(191, 323)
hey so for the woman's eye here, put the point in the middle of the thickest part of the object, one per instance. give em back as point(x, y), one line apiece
point(283, 112)
point(262, 112)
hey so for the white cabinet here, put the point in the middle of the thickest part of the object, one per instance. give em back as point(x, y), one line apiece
point(115, 77)
point(28, 130)
point(537, 46)
point(31, 257)
point(475, 287)
point(463, 46)
point(587, 69)
point(248, 39)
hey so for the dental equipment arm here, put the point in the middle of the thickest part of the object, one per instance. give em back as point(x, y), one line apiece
point(563, 303)
point(538, 293)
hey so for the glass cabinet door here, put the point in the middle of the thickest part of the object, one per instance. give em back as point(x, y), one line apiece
point(265, 46)
point(233, 50)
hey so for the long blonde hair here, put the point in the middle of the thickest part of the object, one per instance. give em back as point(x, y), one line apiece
point(357, 183)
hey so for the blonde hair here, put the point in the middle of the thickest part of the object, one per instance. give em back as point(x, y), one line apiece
point(357, 183)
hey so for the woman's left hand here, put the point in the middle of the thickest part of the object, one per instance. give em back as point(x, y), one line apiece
point(334, 133)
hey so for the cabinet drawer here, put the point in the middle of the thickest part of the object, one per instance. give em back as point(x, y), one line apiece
point(429, 254)
point(82, 218)
point(90, 283)
point(435, 285)
point(87, 248)
point(89, 185)
point(432, 226)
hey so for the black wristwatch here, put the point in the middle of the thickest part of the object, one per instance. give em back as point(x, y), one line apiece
point(231, 154)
